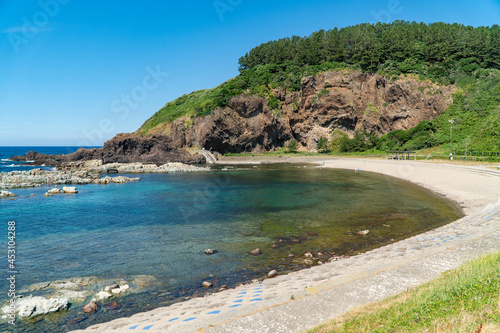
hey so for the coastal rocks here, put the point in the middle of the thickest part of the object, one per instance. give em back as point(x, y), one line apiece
point(7, 194)
point(69, 189)
point(207, 284)
point(115, 180)
point(111, 287)
point(123, 148)
point(363, 232)
point(147, 168)
point(210, 251)
point(102, 295)
point(255, 252)
point(91, 307)
point(272, 274)
point(120, 289)
point(20, 179)
point(33, 306)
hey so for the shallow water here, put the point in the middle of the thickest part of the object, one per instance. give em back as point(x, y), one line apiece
point(161, 226)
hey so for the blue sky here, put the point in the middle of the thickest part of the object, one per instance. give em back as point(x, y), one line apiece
point(78, 72)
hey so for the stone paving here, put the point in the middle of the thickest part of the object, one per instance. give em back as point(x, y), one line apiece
point(304, 299)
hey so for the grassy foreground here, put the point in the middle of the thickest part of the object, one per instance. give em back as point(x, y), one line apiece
point(466, 299)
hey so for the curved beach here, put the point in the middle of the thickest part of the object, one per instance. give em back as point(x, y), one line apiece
point(300, 300)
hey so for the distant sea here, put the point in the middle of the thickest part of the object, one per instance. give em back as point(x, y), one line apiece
point(6, 152)
point(159, 227)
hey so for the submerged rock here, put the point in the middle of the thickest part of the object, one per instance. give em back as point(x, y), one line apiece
point(91, 307)
point(112, 306)
point(256, 252)
point(210, 251)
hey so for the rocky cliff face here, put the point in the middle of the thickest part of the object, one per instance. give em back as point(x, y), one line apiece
point(345, 101)
point(245, 125)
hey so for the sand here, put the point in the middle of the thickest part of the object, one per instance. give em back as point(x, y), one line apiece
point(303, 299)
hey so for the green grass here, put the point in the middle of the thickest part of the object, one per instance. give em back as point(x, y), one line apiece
point(466, 299)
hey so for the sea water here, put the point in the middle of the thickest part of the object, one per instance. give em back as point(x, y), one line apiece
point(160, 227)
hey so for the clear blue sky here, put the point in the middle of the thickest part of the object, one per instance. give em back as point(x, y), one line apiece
point(78, 72)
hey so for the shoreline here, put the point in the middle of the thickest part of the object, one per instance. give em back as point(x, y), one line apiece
point(471, 187)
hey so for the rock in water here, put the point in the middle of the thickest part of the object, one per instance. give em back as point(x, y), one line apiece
point(272, 274)
point(207, 284)
point(112, 306)
point(363, 232)
point(69, 189)
point(5, 194)
point(35, 306)
point(255, 252)
point(210, 251)
point(103, 295)
point(111, 287)
point(91, 307)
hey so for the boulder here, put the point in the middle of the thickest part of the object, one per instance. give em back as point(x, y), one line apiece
point(363, 232)
point(91, 307)
point(29, 307)
point(111, 287)
point(210, 251)
point(69, 189)
point(272, 274)
point(207, 284)
point(256, 252)
point(102, 295)
point(5, 194)
point(54, 191)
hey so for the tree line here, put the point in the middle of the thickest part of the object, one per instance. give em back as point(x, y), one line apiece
point(437, 50)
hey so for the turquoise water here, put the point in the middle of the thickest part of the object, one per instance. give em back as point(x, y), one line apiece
point(161, 226)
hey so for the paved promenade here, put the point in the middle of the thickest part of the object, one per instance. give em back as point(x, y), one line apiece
point(300, 300)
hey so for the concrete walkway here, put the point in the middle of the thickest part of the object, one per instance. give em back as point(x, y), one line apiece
point(300, 300)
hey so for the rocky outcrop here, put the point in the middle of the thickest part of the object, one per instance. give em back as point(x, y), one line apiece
point(350, 101)
point(344, 100)
point(37, 177)
point(139, 168)
point(246, 124)
point(33, 306)
point(123, 148)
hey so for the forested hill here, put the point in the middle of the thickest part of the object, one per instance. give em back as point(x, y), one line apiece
point(438, 50)
point(404, 53)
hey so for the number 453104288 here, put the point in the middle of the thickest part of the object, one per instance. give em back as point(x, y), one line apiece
point(11, 251)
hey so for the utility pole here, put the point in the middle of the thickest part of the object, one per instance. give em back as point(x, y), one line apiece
point(452, 121)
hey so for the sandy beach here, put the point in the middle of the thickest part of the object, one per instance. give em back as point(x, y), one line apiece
point(303, 299)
